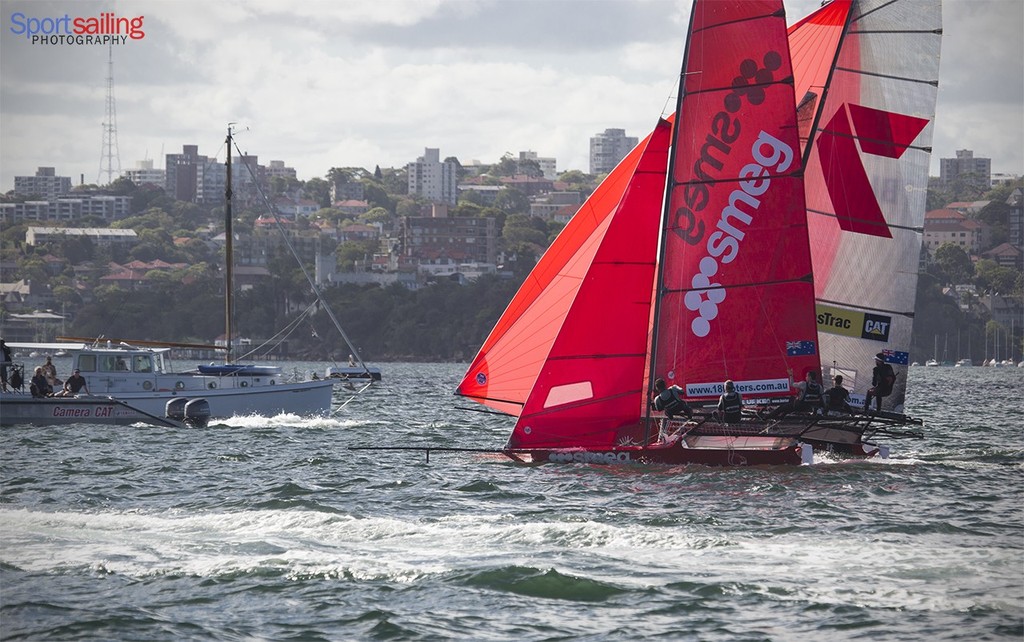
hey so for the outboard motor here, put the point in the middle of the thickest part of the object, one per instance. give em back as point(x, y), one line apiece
point(197, 413)
point(175, 409)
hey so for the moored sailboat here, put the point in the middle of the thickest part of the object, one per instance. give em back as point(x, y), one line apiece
point(132, 381)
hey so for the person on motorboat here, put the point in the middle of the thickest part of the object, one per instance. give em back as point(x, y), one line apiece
point(5, 361)
point(670, 399)
point(730, 404)
point(75, 384)
point(50, 372)
point(39, 386)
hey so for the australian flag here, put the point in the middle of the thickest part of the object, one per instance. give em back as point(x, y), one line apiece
point(897, 357)
point(799, 348)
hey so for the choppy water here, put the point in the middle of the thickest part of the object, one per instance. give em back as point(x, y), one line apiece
point(274, 529)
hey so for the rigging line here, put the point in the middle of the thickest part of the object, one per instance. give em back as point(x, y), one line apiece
point(159, 420)
point(305, 272)
point(909, 228)
point(353, 396)
point(865, 308)
point(286, 331)
point(861, 72)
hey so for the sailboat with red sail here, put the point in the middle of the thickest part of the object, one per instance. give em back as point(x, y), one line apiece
point(718, 283)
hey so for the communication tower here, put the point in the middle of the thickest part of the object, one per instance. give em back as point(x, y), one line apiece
point(110, 157)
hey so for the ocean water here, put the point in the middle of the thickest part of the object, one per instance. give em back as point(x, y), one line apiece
point(273, 529)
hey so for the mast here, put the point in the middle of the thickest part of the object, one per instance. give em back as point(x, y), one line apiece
point(659, 277)
point(228, 251)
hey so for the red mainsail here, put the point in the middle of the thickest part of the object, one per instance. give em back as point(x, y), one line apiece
point(736, 287)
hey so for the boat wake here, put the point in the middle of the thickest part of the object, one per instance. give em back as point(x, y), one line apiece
point(286, 420)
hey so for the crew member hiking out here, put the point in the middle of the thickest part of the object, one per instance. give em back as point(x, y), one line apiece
point(670, 399)
point(809, 398)
point(883, 377)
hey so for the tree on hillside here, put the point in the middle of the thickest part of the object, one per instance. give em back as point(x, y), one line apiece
point(376, 196)
point(512, 201)
point(953, 265)
point(77, 249)
point(375, 215)
point(319, 190)
point(348, 252)
point(577, 181)
point(507, 166)
point(338, 176)
point(995, 278)
point(531, 168)
point(395, 181)
point(468, 209)
point(122, 187)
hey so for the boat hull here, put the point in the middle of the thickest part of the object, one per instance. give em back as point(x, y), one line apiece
point(354, 374)
point(304, 398)
point(846, 435)
point(58, 411)
point(710, 450)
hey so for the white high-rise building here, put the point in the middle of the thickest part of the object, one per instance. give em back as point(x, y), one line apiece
point(547, 165)
point(607, 149)
point(432, 179)
point(144, 174)
point(45, 184)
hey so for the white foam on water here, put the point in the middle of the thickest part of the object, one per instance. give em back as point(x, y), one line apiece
point(288, 420)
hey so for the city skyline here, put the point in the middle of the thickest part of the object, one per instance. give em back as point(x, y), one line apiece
point(321, 85)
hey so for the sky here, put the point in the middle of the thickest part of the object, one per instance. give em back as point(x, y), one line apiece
point(321, 84)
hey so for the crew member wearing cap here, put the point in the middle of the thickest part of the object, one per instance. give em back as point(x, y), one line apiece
point(75, 384)
point(882, 379)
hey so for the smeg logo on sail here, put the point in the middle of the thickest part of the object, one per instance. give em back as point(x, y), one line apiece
point(770, 156)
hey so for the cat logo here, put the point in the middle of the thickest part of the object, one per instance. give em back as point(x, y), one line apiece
point(876, 327)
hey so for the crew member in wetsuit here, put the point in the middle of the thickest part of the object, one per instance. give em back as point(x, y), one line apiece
point(670, 399)
point(882, 379)
point(730, 404)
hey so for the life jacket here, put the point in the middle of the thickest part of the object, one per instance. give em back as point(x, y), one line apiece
point(669, 400)
point(812, 393)
point(837, 398)
point(732, 407)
